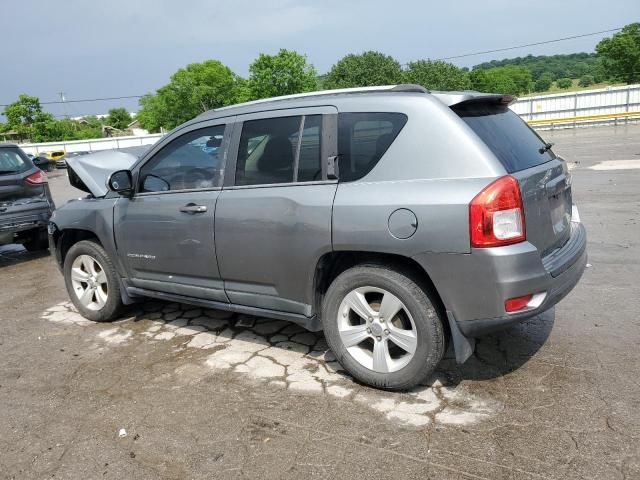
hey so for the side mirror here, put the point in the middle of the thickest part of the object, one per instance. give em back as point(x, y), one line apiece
point(121, 182)
point(151, 183)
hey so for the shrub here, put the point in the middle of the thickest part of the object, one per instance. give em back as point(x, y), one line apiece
point(544, 82)
point(586, 80)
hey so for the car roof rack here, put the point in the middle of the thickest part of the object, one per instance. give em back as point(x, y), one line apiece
point(404, 88)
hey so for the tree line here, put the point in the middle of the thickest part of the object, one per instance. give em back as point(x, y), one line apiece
point(199, 87)
point(203, 86)
point(26, 120)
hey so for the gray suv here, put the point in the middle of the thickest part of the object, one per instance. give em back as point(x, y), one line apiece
point(392, 218)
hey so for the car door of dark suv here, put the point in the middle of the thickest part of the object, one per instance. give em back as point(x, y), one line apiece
point(165, 232)
point(273, 219)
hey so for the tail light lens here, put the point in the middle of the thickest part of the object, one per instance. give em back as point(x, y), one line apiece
point(38, 178)
point(496, 215)
point(518, 303)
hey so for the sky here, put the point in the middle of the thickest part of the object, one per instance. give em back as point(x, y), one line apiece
point(90, 49)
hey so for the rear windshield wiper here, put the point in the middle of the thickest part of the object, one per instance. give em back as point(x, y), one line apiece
point(547, 146)
point(4, 172)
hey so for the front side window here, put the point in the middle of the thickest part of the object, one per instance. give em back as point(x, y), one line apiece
point(192, 161)
point(362, 140)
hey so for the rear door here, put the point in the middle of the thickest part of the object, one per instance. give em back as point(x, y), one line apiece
point(545, 183)
point(273, 219)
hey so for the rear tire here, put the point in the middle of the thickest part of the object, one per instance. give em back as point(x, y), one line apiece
point(92, 282)
point(393, 353)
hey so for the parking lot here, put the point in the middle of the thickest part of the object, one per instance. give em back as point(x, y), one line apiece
point(173, 391)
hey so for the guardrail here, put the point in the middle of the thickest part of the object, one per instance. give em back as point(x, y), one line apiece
point(584, 107)
point(92, 145)
point(607, 118)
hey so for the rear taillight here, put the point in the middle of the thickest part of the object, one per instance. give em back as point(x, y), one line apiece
point(496, 215)
point(38, 178)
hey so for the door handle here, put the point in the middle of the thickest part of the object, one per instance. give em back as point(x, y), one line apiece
point(193, 208)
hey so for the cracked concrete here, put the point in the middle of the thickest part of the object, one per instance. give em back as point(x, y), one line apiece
point(554, 398)
point(281, 354)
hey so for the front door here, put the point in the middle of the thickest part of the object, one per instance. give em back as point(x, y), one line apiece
point(273, 219)
point(165, 233)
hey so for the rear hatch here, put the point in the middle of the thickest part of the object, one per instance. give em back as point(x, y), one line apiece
point(17, 196)
point(545, 183)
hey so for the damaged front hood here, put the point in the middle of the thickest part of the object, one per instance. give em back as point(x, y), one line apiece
point(90, 172)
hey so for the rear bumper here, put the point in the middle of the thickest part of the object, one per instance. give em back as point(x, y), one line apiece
point(38, 218)
point(559, 287)
point(474, 287)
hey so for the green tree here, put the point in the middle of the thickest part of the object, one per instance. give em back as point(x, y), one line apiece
point(119, 118)
point(620, 54)
point(586, 80)
point(191, 90)
point(437, 75)
point(153, 114)
point(363, 70)
point(544, 82)
point(564, 83)
point(285, 73)
point(22, 114)
point(511, 79)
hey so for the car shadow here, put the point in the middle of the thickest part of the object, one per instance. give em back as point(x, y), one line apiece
point(502, 352)
point(15, 254)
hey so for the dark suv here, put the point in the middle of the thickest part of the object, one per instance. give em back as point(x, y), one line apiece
point(25, 200)
point(392, 218)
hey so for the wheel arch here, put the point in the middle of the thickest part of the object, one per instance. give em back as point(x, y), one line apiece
point(332, 264)
point(66, 238)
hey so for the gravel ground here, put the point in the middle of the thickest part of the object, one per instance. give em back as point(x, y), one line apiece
point(173, 391)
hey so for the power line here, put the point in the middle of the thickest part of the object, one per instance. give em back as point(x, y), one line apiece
point(104, 99)
point(531, 44)
point(124, 97)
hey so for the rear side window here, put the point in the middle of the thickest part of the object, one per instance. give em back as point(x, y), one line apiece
point(309, 167)
point(267, 151)
point(510, 139)
point(363, 138)
point(11, 162)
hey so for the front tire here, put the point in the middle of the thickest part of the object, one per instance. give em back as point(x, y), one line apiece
point(92, 282)
point(382, 327)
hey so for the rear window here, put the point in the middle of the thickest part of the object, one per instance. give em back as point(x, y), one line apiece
point(11, 162)
point(362, 140)
point(515, 144)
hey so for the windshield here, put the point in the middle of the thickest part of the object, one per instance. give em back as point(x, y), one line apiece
point(11, 162)
point(515, 144)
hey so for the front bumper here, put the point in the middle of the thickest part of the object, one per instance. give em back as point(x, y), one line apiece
point(474, 287)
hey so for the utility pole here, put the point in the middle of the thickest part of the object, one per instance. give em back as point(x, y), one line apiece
point(64, 106)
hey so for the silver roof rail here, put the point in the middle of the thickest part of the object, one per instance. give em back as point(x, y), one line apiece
point(382, 88)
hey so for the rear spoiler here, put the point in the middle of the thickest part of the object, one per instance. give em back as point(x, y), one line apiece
point(451, 99)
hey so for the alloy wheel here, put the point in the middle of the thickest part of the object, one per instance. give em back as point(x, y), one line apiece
point(89, 282)
point(377, 329)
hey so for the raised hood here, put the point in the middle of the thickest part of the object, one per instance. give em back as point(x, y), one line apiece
point(90, 173)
